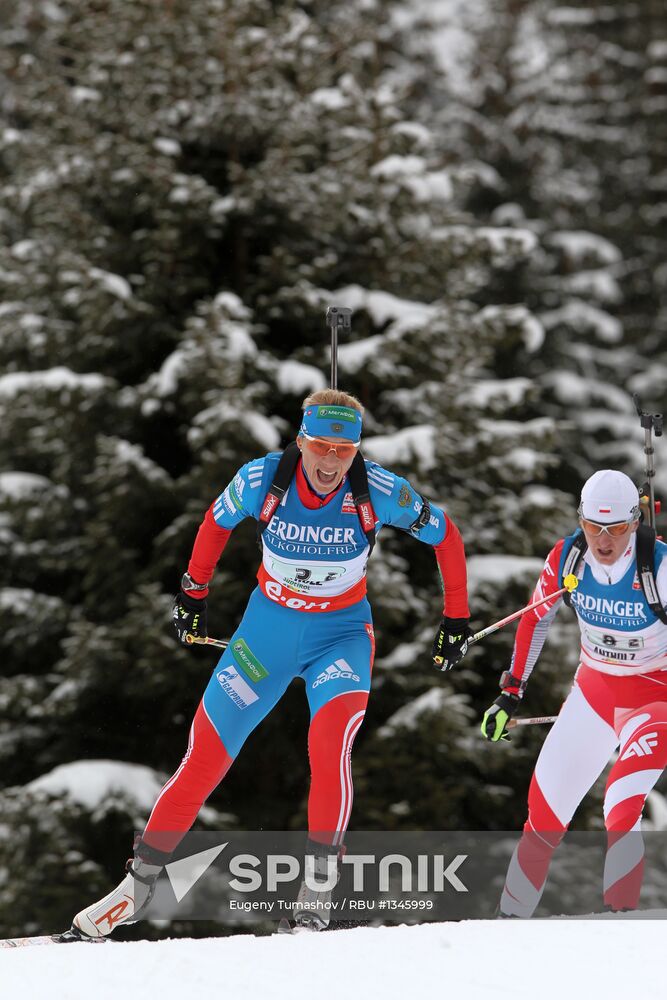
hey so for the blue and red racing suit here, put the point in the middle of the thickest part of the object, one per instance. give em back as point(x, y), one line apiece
point(308, 618)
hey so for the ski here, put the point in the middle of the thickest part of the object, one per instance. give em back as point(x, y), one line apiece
point(66, 937)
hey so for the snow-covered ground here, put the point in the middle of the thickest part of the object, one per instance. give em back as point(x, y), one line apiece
point(471, 960)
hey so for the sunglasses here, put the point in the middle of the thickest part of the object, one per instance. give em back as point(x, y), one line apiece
point(615, 530)
point(320, 447)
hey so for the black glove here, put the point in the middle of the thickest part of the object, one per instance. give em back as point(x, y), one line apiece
point(189, 616)
point(451, 642)
point(494, 723)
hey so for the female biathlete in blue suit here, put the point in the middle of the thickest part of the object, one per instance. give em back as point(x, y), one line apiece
point(308, 617)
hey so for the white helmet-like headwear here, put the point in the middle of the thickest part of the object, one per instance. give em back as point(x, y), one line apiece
point(609, 497)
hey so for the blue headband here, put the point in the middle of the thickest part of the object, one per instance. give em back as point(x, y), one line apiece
point(332, 421)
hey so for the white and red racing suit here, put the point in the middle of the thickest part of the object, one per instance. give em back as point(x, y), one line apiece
point(618, 701)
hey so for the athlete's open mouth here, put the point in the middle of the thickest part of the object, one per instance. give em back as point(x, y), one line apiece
point(326, 478)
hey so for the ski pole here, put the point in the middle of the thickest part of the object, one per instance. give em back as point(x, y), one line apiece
point(538, 720)
point(570, 583)
point(650, 422)
point(338, 317)
point(206, 640)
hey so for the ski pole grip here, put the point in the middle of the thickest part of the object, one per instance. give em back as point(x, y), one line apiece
point(206, 640)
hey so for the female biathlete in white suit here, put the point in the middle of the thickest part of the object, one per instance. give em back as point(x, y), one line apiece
point(618, 700)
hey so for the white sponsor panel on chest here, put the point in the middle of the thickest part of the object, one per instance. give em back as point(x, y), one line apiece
point(619, 633)
point(303, 579)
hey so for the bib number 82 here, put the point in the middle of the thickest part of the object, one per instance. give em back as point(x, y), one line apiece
point(616, 641)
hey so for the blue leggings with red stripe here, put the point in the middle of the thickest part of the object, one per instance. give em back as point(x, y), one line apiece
point(332, 652)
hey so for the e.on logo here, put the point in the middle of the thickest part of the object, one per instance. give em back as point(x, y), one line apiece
point(275, 592)
point(641, 747)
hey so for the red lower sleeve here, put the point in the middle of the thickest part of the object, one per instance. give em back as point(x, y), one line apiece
point(209, 546)
point(451, 558)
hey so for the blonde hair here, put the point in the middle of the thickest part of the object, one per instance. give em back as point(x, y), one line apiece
point(333, 397)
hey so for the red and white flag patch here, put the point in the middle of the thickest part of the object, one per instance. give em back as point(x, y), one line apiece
point(348, 505)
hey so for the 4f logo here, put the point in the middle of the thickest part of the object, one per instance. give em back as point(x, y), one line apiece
point(641, 747)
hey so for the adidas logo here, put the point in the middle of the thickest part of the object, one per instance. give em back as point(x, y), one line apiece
point(339, 670)
point(641, 747)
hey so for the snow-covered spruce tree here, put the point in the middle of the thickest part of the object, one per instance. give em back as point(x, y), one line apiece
point(574, 111)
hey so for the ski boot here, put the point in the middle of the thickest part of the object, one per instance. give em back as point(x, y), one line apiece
point(124, 903)
point(312, 911)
